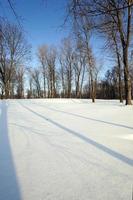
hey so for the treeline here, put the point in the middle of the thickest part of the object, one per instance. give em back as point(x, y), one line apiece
point(112, 19)
point(61, 73)
point(65, 72)
point(72, 70)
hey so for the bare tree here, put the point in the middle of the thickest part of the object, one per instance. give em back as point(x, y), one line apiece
point(35, 73)
point(51, 61)
point(82, 26)
point(114, 46)
point(20, 82)
point(79, 69)
point(67, 62)
point(42, 57)
point(118, 56)
point(62, 75)
point(13, 51)
point(99, 14)
point(47, 59)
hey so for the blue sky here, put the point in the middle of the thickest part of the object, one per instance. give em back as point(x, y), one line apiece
point(42, 20)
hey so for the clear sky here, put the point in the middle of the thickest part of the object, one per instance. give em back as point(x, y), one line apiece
point(42, 20)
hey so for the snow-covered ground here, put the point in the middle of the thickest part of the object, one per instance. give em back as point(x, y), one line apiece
point(59, 149)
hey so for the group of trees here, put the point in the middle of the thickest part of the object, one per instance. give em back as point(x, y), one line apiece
point(13, 52)
point(114, 20)
point(72, 70)
point(66, 73)
point(59, 73)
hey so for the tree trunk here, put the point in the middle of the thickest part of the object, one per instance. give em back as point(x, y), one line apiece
point(119, 75)
point(7, 93)
point(127, 78)
point(44, 86)
point(93, 93)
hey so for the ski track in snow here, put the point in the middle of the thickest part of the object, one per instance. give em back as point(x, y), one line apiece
point(60, 149)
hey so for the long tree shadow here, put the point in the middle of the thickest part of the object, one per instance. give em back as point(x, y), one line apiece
point(9, 186)
point(88, 118)
point(97, 145)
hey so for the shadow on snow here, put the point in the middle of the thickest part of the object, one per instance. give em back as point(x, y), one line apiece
point(99, 146)
point(9, 186)
point(87, 118)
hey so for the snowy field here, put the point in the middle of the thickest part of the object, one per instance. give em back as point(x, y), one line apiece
point(65, 150)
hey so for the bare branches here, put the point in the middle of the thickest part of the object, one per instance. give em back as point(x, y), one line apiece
point(14, 12)
point(13, 54)
point(106, 17)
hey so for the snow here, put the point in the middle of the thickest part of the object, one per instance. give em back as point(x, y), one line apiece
point(61, 149)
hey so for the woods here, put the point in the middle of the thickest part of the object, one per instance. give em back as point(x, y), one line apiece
point(114, 19)
point(71, 69)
